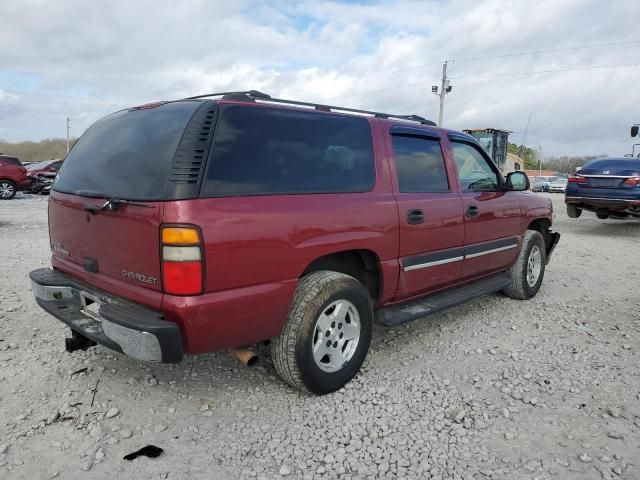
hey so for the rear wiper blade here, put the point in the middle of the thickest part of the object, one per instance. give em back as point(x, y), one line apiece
point(113, 204)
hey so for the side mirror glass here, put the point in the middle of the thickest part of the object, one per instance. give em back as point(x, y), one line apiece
point(634, 130)
point(518, 181)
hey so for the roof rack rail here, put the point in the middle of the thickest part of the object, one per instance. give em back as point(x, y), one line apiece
point(253, 95)
point(236, 94)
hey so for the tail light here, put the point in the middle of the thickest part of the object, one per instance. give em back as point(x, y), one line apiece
point(577, 179)
point(182, 260)
point(633, 181)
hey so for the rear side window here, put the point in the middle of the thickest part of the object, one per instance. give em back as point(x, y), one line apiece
point(420, 164)
point(128, 154)
point(268, 151)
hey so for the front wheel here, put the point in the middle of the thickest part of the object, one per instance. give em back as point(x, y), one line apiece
point(528, 271)
point(602, 216)
point(7, 189)
point(327, 333)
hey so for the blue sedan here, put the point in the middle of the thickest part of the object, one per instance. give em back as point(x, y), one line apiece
point(608, 187)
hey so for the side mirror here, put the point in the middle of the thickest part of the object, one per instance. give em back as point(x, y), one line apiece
point(634, 130)
point(518, 181)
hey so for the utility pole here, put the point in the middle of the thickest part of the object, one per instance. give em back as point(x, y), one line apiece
point(524, 137)
point(68, 135)
point(445, 88)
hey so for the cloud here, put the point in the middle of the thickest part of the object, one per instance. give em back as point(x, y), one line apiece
point(86, 59)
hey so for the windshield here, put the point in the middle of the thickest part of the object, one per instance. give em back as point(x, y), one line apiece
point(127, 154)
point(35, 166)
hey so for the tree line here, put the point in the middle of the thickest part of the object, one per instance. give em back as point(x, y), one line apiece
point(57, 148)
point(36, 151)
point(564, 164)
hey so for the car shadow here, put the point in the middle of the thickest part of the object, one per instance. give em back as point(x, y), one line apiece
point(608, 228)
point(208, 376)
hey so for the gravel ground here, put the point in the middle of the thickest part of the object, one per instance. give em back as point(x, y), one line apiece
point(496, 388)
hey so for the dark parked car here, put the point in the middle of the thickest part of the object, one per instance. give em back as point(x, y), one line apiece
point(540, 186)
point(220, 223)
point(13, 177)
point(46, 166)
point(42, 182)
point(608, 187)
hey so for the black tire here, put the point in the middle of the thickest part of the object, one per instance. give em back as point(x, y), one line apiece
point(602, 216)
point(520, 287)
point(573, 211)
point(292, 351)
point(7, 189)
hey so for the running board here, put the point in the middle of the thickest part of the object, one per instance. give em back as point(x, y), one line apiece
point(413, 310)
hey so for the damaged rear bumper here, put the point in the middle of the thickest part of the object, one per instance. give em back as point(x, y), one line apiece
point(118, 324)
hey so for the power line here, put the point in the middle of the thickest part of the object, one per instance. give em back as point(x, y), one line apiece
point(551, 50)
point(483, 57)
point(422, 82)
point(595, 67)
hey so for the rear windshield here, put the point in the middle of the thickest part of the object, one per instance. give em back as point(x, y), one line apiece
point(267, 151)
point(127, 154)
point(613, 164)
point(10, 161)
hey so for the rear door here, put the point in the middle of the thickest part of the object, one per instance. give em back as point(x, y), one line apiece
point(430, 211)
point(117, 251)
point(127, 159)
point(491, 215)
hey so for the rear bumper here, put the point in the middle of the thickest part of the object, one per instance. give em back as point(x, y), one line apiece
point(118, 324)
point(597, 203)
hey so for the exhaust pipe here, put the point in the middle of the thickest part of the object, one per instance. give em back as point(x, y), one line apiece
point(245, 356)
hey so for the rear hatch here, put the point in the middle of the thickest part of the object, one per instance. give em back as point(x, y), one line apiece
point(107, 202)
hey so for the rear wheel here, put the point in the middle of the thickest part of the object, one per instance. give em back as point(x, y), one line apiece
point(528, 271)
point(602, 216)
point(7, 189)
point(327, 334)
point(573, 211)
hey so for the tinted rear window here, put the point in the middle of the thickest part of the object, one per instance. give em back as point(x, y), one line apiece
point(127, 154)
point(267, 151)
point(613, 164)
point(420, 165)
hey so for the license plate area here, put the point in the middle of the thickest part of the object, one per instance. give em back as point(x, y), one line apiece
point(604, 182)
point(90, 305)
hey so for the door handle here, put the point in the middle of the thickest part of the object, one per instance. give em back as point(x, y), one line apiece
point(414, 217)
point(472, 211)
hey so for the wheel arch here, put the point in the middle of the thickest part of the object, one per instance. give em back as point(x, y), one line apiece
point(361, 264)
point(543, 226)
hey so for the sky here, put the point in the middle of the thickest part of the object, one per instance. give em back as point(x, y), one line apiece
point(574, 65)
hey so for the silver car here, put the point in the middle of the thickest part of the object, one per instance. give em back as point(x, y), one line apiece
point(558, 185)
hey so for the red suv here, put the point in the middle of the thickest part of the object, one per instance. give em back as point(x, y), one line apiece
point(13, 177)
point(205, 224)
